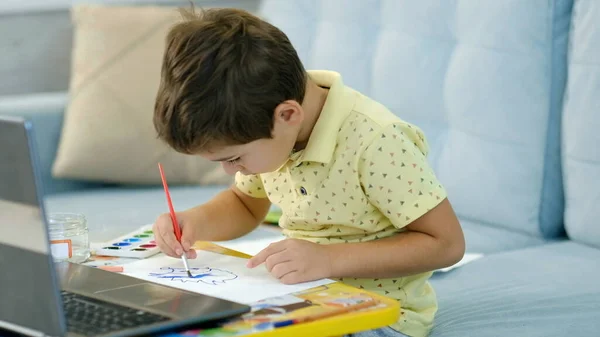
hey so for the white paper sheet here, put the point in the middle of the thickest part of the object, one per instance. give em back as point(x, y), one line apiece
point(468, 257)
point(217, 275)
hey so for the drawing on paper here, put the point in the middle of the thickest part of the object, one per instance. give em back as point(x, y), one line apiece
point(207, 275)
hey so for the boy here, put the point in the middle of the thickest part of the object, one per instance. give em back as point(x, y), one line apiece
point(360, 203)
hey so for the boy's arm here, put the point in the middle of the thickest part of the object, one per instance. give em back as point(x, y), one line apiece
point(414, 201)
point(229, 215)
point(435, 240)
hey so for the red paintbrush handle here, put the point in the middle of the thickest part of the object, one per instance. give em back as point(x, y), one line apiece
point(176, 228)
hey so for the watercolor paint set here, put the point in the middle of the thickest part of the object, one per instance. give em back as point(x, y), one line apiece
point(137, 244)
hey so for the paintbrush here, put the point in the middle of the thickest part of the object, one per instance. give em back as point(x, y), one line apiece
point(176, 228)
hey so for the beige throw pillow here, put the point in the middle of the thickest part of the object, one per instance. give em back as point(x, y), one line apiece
point(107, 133)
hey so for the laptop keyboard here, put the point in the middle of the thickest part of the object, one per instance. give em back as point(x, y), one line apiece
point(91, 317)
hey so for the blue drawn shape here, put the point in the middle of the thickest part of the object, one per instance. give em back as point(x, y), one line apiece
point(207, 275)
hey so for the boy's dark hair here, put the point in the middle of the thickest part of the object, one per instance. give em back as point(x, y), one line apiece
point(224, 72)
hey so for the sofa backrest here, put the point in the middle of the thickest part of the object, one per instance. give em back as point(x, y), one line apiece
point(37, 38)
point(483, 79)
point(581, 126)
point(36, 51)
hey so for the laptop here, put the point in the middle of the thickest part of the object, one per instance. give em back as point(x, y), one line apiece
point(41, 297)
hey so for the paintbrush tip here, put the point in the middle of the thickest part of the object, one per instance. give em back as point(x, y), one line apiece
point(189, 273)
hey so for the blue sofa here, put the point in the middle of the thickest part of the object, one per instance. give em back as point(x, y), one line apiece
point(508, 94)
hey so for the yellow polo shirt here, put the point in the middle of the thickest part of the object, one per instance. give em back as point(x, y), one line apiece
point(362, 176)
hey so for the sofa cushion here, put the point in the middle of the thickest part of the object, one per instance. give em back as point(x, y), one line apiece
point(112, 212)
point(551, 290)
point(581, 125)
point(45, 112)
point(107, 134)
point(484, 79)
point(482, 238)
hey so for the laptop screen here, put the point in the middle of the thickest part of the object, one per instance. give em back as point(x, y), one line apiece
point(16, 183)
point(30, 296)
point(21, 223)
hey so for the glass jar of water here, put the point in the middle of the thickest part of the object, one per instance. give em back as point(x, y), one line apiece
point(69, 237)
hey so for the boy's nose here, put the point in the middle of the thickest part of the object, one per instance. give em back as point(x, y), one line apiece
point(231, 169)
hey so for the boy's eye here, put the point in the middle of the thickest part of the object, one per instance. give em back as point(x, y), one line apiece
point(232, 161)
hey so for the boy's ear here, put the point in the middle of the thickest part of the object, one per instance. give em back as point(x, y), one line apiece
point(289, 112)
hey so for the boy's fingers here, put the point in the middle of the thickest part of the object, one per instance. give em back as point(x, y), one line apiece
point(256, 260)
point(163, 246)
point(191, 254)
point(275, 259)
point(187, 238)
point(169, 239)
point(292, 278)
point(262, 256)
point(187, 241)
point(283, 269)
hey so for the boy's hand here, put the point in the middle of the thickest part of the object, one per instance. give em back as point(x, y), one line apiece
point(294, 261)
point(165, 236)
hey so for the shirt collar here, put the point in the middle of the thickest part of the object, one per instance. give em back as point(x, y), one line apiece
point(338, 105)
